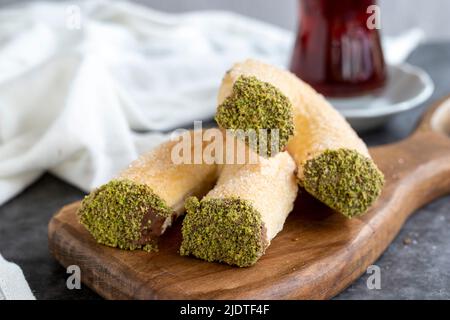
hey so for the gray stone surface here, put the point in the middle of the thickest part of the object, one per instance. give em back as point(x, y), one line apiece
point(415, 266)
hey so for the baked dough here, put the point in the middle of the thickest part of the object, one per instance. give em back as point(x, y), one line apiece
point(134, 209)
point(334, 164)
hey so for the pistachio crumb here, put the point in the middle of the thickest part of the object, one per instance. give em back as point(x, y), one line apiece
point(224, 230)
point(114, 214)
point(343, 179)
point(257, 105)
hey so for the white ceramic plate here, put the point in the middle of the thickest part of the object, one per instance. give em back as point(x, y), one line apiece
point(408, 87)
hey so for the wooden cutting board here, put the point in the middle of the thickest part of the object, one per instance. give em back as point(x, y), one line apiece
point(317, 255)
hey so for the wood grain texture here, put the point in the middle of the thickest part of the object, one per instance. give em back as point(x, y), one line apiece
point(317, 255)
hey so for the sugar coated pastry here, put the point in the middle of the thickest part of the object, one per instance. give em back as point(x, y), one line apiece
point(235, 222)
point(134, 209)
point(333, 163)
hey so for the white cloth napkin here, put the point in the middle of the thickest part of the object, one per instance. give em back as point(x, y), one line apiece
point(398, 48)
point(13, 285)
point(84, 102)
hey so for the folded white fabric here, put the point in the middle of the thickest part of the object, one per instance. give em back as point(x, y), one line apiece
point(397, 49)
point(76, 101)
point(13, 285)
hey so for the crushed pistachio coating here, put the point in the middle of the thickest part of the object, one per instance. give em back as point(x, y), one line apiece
point(223, 230)
point(115, 214)
point(256, 105)
point(343, 179)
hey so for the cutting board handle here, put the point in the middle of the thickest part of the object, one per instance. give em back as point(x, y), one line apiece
point(436, 118)
point(419, 166)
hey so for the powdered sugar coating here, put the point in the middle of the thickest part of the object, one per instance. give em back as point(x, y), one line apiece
point(172, 182)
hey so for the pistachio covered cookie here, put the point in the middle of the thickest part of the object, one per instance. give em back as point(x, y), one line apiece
point(236, 221)
point(334, 164)
point(133, 210)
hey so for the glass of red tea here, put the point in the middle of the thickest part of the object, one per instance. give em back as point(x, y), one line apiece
point(338, 49)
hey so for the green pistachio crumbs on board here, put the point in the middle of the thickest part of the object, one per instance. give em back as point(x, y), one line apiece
point(257, 105)
point(223, 230)
point(344, 180)
point(114, 214)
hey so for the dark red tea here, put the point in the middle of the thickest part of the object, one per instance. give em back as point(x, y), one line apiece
point(336, 50)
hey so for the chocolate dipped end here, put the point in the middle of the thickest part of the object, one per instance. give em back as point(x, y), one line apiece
point(125, 214)
point(344, 180)
point(223, 230)
point(261, 107)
